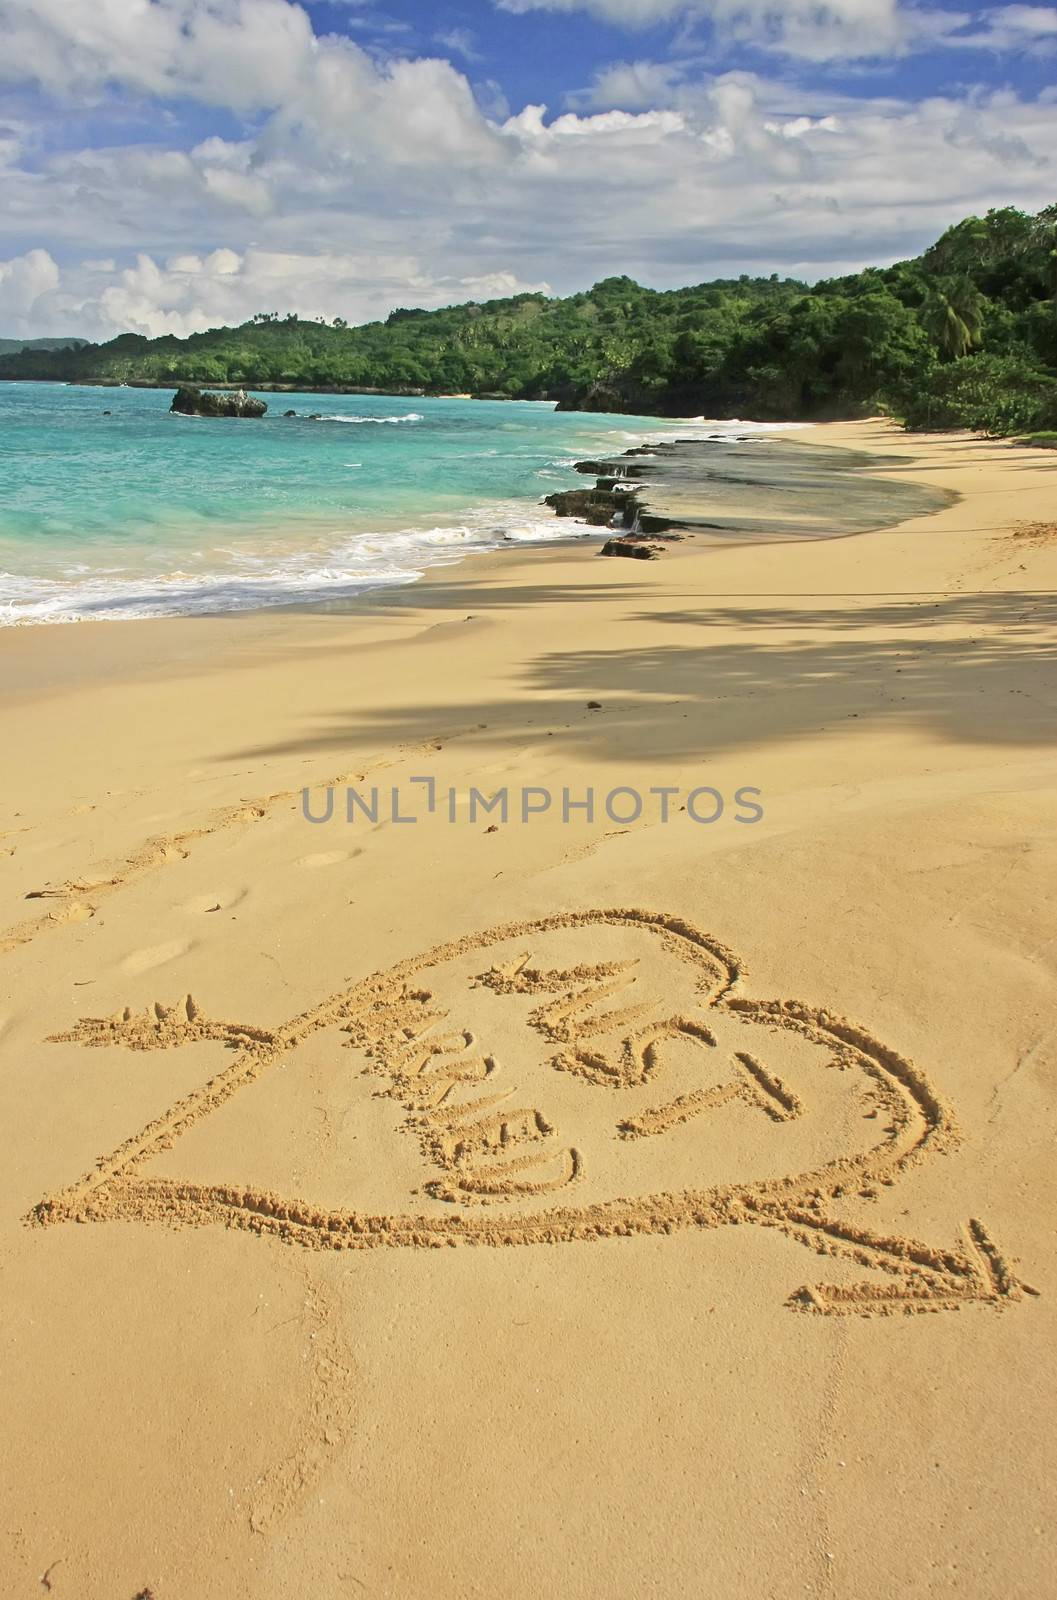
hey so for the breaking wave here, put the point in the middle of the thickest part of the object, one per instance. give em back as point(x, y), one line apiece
point(336, 569)
point(411, 416)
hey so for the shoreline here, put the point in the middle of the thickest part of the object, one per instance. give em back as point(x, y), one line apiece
point(891, 698)
point(757, 485)
point(290, 516)
point(173, 642)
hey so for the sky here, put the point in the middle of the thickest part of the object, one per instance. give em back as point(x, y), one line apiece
point(175, 165)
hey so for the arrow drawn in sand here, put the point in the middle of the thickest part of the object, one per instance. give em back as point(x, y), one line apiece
point(926, 1279)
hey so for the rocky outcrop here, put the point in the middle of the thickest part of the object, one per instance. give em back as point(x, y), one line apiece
point(190, 402)
point(629, 545)
point(616, 392)
point(614, 502)
point(597, 507)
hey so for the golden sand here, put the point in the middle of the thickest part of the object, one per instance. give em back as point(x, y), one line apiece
point(551, 1205)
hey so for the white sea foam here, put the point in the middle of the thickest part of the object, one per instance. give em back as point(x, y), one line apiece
point(332, 571)
point(411, 416)
point(703, 429)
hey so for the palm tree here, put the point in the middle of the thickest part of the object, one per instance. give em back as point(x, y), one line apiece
point(1046, 240)
point(953, 315)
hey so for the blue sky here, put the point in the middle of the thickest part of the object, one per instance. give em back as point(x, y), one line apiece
point(172, 164)
point(550, 55)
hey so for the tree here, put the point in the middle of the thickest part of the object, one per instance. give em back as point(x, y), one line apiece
point(995, 394)
point(883, 348)
point(953, 316)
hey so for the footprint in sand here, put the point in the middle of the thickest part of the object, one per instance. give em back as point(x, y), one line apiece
point(217, 900)
point(328, 858)
point(72, 913)
point(158, 954)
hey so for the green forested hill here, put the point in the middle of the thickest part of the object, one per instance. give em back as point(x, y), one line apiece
point(12, 346)
point(963, 336)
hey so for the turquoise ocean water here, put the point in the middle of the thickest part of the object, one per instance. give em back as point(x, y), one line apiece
point(142, 513)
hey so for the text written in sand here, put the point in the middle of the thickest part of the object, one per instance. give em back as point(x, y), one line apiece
point(591, 1074)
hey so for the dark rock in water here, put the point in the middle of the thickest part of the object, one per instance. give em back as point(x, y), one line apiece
point(289, 413)
point(108, 413)
point(594, 506)
point(637, 549)
point(204, 403)
point(315, 416)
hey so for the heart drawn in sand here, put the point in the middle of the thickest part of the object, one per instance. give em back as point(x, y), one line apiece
point(590, 1074)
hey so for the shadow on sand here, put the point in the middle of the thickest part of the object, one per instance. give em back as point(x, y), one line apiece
point(978, 668)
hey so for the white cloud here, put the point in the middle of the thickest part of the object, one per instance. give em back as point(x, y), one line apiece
point(633, 85)
point(627, 13)
point(189, 292)
point(491, 97)
point(797, 127)
point(1025, 19)
point(824, 30)
point(736, 174)
point(459, 42)
point(248, 56)
point(12, 142)
point(817, 30)
point(616, 128)
point(1016, 28)
point(24, 282)
point(356, 185)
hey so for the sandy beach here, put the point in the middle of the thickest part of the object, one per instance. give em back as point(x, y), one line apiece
point(609, 1205)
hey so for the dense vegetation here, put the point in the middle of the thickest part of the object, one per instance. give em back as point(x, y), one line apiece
point(963, 336)
point(12, 346)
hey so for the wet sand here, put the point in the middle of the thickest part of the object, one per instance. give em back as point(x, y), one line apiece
point(780, 488)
